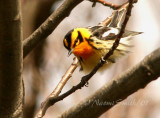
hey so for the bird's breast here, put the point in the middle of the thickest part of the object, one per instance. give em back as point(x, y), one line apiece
point(83, 50)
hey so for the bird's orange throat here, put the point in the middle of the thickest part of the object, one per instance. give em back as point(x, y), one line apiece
point(83, 50)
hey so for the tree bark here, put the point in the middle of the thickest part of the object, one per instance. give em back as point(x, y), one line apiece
point(11, 85)
point(118, 89)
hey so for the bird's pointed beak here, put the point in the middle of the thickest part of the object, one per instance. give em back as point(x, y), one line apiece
point(70, 52)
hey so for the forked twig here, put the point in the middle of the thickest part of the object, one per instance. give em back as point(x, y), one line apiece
point(113, 6)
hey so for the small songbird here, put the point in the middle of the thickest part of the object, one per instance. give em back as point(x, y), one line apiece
point(90, 44)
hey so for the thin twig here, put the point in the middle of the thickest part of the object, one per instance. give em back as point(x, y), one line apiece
point(86, 78)
point(65, 78)
point(57, 90)
point(113, 6)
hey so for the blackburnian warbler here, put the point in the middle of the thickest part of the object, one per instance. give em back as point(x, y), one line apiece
point(90, 44)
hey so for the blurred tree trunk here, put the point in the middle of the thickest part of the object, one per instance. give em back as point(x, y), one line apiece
point(39, 12)
point(11, 85)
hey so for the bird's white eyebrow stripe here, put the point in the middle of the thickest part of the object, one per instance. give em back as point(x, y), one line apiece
point(112, 30)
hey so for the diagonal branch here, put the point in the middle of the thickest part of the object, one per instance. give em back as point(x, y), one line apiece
point(48, 26)
point(46, 104)
point(118, 88)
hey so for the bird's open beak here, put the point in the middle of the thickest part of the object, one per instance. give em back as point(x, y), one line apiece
point(70, 52)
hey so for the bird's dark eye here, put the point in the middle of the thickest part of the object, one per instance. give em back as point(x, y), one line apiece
point(76, 42)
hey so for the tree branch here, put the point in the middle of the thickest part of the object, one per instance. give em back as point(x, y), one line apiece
point(11, 85)
point(47, 103)
point(48, 26)
point(118, 88)
point(113, 6)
